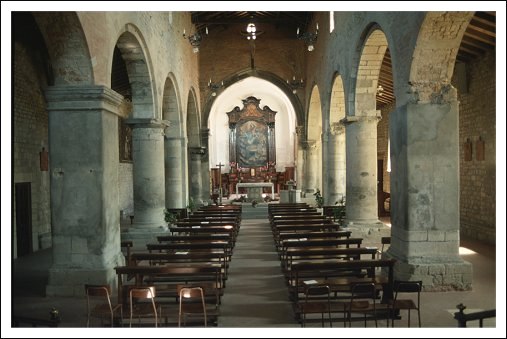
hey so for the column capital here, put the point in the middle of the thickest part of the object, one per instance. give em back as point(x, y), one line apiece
point(432, 92)
point(199, 150)
point(147, 123)
point(83, 98)
point(307, 144)
point(337, 128)
point(363, 118)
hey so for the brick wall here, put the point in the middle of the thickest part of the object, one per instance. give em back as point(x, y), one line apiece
point(231, 54)
point(477, 178)
point(30, 122)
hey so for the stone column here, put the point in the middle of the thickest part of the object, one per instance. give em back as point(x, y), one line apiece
point(205, 167)
point(149, 182)
point(85, 213)
point(425, 192)
point(196, 153)
point(310, 177)
point(361, 182)
point(336, 164)
point(325, 175)
point(174, 169)
point(300, 160)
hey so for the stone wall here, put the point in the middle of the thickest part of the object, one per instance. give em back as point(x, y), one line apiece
point(478, 177)
point(30, 135)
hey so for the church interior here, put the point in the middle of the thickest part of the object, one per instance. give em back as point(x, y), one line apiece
point(381, 124)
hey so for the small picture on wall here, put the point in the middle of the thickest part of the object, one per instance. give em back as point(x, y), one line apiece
point(125, 141)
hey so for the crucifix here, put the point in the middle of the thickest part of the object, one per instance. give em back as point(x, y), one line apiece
point(220, 181)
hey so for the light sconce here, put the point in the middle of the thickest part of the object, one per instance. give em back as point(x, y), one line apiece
point(295, 84)
point(380, 90)
point(308, 37)
point(214, 87)
point(195, 40)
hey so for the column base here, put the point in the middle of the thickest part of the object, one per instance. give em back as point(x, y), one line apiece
point(140, 236)
point(452, 275)
point(70, 281)
point(371, 232)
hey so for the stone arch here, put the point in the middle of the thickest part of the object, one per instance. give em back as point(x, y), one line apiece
point(193, 120)
point(336, 158)
point(67, 47)
point(314, 142)
point(368, 70)
point(262, 74)
point(435, 55)
point(361, 136)
point(130, 44)
point(174, 144)
point(195, 151)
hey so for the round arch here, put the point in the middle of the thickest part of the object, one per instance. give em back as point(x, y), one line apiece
point(269, 94)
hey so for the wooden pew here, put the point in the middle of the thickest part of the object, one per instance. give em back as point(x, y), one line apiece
point(284, 236)
point(318, 243)
point(183, 246)
point(336, 275)
point(166, 279)
point(315, 255)
point(190, 256)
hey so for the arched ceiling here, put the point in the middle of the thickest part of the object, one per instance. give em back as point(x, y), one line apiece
point(268, 93)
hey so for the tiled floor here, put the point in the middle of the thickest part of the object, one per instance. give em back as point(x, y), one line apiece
point(256, 297)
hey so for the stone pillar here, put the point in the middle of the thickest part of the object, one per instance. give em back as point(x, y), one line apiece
point(425, 193)
point(336, 164)
point(83, 144)
point(310, 177)
point(205, 167)
point(325, 175)
point(174, 169)
point(300, 160)
point(361, 182)
point(196, 153)
point(149, 181)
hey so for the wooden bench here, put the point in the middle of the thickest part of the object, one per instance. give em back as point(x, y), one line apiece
point(167, 278)
point(191, 257)
point(288, 236)
point(312, 255)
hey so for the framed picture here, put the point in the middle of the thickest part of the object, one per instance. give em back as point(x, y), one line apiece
point(125, 141)
point(252, 172)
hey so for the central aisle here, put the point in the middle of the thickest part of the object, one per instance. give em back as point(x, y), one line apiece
point(255, 294)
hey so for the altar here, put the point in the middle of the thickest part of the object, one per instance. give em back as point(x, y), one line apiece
point(255, 189)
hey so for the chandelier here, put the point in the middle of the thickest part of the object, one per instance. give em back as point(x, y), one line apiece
point(195, 40)
point(308, 37)
point(296, 84)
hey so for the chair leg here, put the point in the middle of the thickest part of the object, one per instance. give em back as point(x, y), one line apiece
point(419, 316)
point(409, 318)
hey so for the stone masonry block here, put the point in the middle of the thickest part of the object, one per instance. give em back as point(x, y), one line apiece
point(61, 245)
point(436, 269)
point(79, 245)
point(436, 236)
point(452, 236)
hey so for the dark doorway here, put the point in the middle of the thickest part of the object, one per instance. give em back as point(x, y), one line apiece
point(23, 218)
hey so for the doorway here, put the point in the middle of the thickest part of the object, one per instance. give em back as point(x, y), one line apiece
point(23, 191)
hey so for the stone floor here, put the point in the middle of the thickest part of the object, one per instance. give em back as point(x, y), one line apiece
point(255, 301)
